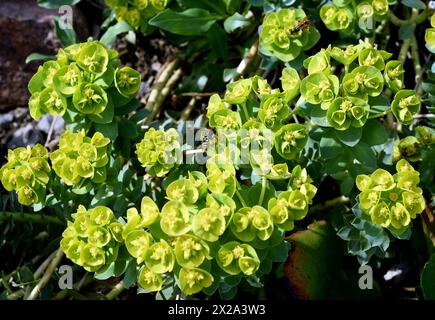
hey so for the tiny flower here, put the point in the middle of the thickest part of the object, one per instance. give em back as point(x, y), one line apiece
point(405, 105)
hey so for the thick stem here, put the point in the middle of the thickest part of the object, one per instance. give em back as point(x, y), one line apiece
point(116, 291)
point(30, 217)
point(161, 84)
point(263, 190)
point(164, 94)
point(247, 60)
point(417, 65)
point(43, 266)
point(329, 204)
point(47, 275)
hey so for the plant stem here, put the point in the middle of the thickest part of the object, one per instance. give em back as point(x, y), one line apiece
point(161, 88)
point(424, 116)
point(417, 65)
point(329, 204)
point(186, 112)
point(394, 19)
point(245, 111)
point(50, 131)
point(115, 291)
point(164, 94)
point(16, 295)
point(247, 60)
point(404, 50)
point(47, 275)
point(423, 16)
point(378, 115)
point(30, 217)
point(43, 266)
point(415, 17)
point(263, 190)
point(240, 198)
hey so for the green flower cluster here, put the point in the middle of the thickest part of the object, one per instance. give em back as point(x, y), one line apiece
point(405, 105)
point(159, 151)
point(391, 200)
point(93, 239)
point(137, 12)
point(367, 70)
point(346, 15)
point(410, 148)
point(286, 33)
point(430, 36)
point(265, 129)
point(83, 79)
point(178, 238)
point(28, 172)
point(201, 228)
point(81, 159)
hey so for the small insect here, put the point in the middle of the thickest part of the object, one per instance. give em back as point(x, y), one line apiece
point(205, 139)
point(301, 25)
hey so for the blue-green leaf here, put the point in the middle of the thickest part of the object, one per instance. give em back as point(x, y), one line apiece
point(427, 280)
point(65, 33)
point(190, 22)
point(235, 22)
point(110, 35)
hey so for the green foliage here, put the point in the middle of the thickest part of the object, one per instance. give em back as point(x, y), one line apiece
point(427, 277)
point(365, 239)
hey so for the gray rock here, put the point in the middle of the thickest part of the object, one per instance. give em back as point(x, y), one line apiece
point(24, 136)
point(46, 121)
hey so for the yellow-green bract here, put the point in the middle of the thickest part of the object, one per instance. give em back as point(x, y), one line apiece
point(347, 16)
point(28, 172)
point(286, 33)
point(136, 13)
point(92, 239)
point(81, 80)
point(159, 151)
point(81, 158)
point(391, 200)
